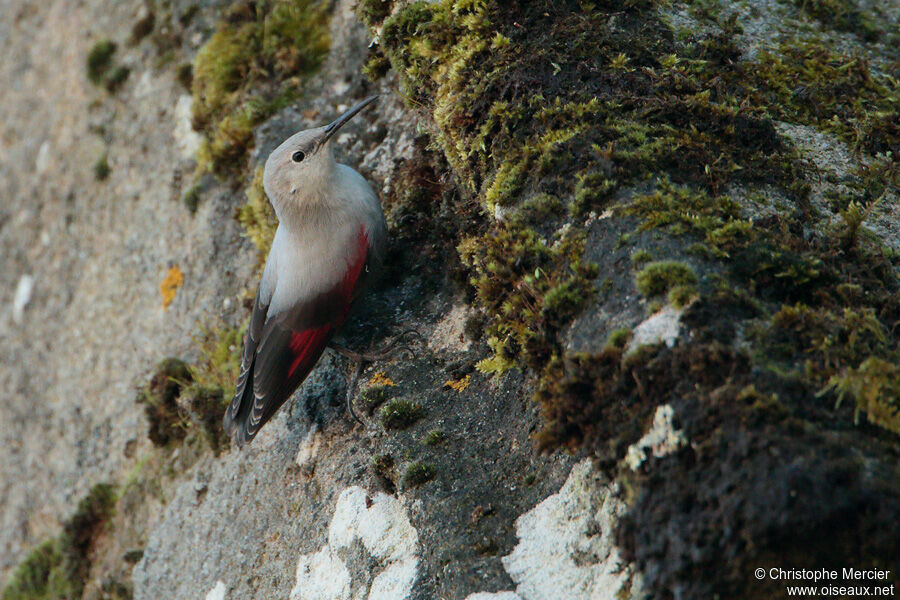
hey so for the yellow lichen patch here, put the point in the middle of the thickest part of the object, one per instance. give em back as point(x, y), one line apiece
point(380, 378)
point(460, 384)
point(171, 282)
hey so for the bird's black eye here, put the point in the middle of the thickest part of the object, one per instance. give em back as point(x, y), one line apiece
point(298, 156)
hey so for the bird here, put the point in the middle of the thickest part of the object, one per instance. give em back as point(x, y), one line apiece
point(330, 240)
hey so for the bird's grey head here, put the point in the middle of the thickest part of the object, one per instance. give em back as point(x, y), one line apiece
point(299, 169)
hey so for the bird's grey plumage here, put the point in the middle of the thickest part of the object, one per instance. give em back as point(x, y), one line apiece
point(331, 236)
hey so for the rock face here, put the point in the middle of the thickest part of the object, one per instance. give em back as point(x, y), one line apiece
point(650, 250)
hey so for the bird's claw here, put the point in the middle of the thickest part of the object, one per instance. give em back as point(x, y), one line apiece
point(361, 358)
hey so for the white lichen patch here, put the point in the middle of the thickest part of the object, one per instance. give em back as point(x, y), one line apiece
point(567, 542)
point(449, 334)
point(379, 522)
point(661, 327)
point(494, 596)
point(662, 438)
point(186, 139)
point(218, 591)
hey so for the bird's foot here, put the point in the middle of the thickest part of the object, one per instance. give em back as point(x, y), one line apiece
point(361, 358)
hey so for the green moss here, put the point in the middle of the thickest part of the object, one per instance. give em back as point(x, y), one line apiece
point(383, 467)
point(838, 92)
point(116, 77)
point(682, 295)
point(400, 414)
point(58, 569)
point(375, 395)
point(530, 287)
point(143, 27)
point(374, 11)
point(249, 69)
point(843, 15)
point(160, 400)
point(207, 406)
point(639, 257)
point(99, 60)
point(620, 114)
point(619, 338)
point(659, 277)
point(821, 341)
point(184, 74)
point(875, 387)
point(434, 437)
point(257, 216)
point(418, 473)
point(31, 578)
point(191, 199)
point(220, 357)
point(101, 168)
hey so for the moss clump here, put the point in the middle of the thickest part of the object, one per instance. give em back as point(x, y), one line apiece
point(191, 199)
point(99, 60)
point(619, 338)
point(383, 467)
point(31, 578)
point(657, 278)
point(101, 168)
point(207, 406)
point(531, 288)
point(843, 15)
point(248, 69)
point(434, 437)
point(374, 10)
point(257, 216)
point(58, 569)
point(639, 257)
point(116, 77)
point(184, 74)
point(418, 473)
point(374, 396)
point(400, 414)
point(875, 387)
point(220, 356)
point(160, 400)
point(822, 341)
point(806, 82)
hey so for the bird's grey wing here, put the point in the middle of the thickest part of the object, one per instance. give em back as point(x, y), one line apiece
point(290, 346)
point(251, 342)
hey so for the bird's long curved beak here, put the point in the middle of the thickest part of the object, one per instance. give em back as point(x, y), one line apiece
point(332, 127)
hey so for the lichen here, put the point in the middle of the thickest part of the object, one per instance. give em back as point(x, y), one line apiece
point(170, 285)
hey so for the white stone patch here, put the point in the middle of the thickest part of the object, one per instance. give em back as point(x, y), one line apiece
point(380, 523)
point(663, 326)
point(494, 596)
point(22, 297)
point(186, 139)
point(321, 576)
point(309, 447)
point(566, 542)
point(218, 591)
point(450, 331)
point(42, 164)
point(662, 438)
